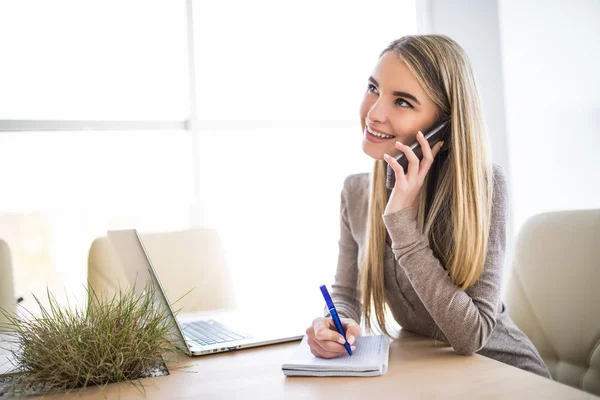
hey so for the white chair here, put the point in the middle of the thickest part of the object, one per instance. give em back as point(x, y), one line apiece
point(553, 293)
point(184, 260)
point(7, 291)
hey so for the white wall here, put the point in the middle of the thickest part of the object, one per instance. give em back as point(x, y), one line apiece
point(474, 25)
point(536, 65)
point(551, 64)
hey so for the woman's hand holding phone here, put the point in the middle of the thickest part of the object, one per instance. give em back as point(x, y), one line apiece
point(407, 186)
point(326, 342)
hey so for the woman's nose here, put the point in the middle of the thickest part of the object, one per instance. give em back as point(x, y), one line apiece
point(377, 113)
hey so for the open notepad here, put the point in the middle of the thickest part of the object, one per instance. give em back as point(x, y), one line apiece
point(369, 359)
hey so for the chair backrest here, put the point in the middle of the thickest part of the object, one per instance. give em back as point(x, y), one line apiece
point(184, 260)
point(7, 291)
point(553, 293)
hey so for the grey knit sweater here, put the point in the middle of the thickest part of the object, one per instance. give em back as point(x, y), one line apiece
point(419, 291)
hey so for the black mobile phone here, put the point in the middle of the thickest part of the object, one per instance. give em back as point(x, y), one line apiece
point(432, 137)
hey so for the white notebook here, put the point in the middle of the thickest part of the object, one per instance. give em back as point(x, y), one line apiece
point(369, 359)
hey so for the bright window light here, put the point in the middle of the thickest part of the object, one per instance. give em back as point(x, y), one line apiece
point(278, 88)
point(95, 60)
point(273, 60)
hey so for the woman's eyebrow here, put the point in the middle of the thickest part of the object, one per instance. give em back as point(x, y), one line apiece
point(396, 93)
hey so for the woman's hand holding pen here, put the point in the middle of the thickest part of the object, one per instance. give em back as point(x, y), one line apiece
point(408, 185)
point(326, 342)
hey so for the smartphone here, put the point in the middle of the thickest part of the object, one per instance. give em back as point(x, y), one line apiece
point(434, 136)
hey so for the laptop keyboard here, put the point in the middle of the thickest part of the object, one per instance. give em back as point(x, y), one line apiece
point(209, 332)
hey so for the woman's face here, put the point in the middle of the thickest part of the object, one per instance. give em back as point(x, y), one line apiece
point(394, 105)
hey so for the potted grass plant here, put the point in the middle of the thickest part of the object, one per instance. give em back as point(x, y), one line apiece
point(108, 340)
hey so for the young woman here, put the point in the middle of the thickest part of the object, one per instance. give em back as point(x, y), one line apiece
point(431, 251)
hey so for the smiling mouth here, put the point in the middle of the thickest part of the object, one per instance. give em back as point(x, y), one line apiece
point(379, 135)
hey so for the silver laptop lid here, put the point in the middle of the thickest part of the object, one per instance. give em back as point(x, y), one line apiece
point(140, 272)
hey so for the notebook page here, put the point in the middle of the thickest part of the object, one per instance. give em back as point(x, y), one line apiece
point(371, 354)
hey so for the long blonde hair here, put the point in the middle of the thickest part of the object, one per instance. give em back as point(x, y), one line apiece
point(455, 200)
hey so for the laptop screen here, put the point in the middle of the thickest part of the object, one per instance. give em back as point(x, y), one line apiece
point(140, 272)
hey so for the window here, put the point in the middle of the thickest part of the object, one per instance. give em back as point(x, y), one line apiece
point(278, 88)
point(93, 60)
point(102, 132)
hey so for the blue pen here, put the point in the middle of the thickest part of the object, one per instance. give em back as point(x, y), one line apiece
point(335, 317)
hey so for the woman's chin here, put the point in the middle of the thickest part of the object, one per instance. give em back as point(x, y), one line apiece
point(373, 151)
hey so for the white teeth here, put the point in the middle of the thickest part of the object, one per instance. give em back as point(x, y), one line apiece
point(381, 135)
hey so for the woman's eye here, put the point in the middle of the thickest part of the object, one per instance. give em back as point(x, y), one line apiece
point(372, 88)
point(403, 103)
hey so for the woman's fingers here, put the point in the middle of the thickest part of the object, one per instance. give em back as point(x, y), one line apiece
point(398, 170)
point(413, 160)
point(428, 154)
point(323, 331)
point(328, 348)
point(321, 352)
point(314, 349)
point(352, 329)
point(332, 343)
point(437, 150)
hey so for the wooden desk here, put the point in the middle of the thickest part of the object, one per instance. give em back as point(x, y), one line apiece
point(418, 368)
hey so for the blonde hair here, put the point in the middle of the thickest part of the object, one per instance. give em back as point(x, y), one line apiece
point(455, 200)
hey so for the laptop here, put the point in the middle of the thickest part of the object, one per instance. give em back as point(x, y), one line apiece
point(206, 332)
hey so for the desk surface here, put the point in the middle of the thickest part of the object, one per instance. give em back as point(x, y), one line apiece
point(418, 368)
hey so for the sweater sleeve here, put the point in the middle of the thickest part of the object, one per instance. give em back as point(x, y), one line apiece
point(345, 293)
point(466, 317)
